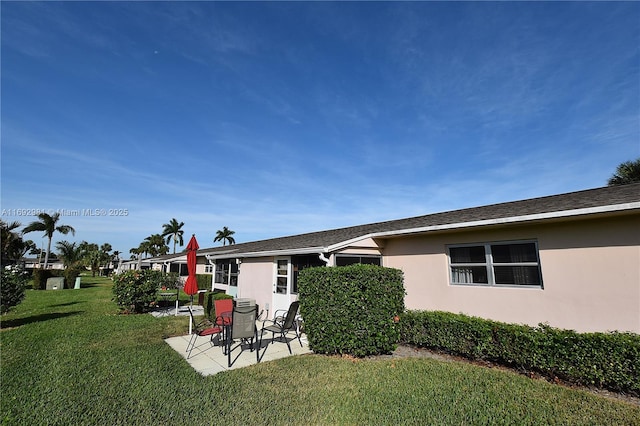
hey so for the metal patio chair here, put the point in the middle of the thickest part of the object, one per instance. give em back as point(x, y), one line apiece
point(283, 326)
point(204, 328)
point(242, 328)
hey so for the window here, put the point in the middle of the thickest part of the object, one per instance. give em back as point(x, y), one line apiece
point(345, 260)
point(301, 262)
point(496, 264)
point(179, 268)
point(226, 272)
point(208, 269)
point(282, 276)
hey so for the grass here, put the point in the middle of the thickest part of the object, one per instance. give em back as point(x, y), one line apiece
point(68, 357)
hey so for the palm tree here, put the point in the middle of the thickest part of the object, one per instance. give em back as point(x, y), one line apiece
point(627, 172)
point(136, 253)
point(225, 235)
point(115, 259)
point(9, 239)
point(156, 245)
point(173, 230)
point(105, 250)
point(70, 254)
point(47, 223)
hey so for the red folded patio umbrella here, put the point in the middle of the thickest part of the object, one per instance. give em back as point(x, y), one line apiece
point(191, 285)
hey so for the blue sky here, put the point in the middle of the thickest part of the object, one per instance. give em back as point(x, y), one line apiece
point(278, 118)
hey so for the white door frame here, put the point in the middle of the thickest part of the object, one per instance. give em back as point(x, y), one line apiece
point(281, 297)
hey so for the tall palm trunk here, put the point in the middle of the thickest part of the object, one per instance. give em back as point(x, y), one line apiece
point(46, 255)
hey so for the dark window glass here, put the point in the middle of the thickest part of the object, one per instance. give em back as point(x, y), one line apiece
point(517, 275)
point(346, 260)
point(301, 262)
point(352, 260)
point(184, 270)
point(514, 253)
point(471, 254)
point(281, 285)
point(469, 275)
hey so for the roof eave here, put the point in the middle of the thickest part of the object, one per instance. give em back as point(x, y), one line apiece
point(269, 253)
point(512, 220)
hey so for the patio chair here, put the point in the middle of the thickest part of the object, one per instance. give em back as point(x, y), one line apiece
point(223, 310)
point(203, 328)
point(243, 328)
point(282, 325)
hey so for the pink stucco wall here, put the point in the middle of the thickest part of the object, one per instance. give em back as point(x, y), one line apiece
point(255, 280)
point(590, 270)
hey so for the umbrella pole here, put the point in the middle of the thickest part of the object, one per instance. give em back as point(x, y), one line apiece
point(178, 297)
point(191, 308)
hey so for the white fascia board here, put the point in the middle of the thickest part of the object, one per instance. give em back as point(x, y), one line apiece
point(498, 221)
point(270, 253)
point(182, 258)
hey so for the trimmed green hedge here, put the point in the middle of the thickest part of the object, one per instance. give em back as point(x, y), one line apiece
point(204, 281)
point(40, 276)
point(351, 309)
point(607, 360)
point(208, 304)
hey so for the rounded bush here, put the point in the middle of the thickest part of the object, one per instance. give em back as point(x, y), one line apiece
point(14, 282)
point(135, 291)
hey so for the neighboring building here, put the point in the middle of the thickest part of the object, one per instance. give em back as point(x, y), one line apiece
point(570, 260)
point(38, 262)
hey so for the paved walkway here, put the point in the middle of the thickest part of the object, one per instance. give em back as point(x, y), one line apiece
point(182, 311)
point(207, 358)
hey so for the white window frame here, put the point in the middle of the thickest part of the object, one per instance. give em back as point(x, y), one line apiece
point(489, 264)
point(359, 257)
point(225, 268)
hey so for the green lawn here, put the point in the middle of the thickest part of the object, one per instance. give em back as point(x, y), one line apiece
point(67, 357)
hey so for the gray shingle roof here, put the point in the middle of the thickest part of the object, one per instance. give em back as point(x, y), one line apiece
point(592, 198)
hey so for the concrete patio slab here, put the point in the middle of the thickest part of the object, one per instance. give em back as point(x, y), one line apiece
point(207, 358)
point(180, 311)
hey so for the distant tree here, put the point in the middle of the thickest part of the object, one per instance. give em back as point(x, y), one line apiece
point(28, 246)
point(14, 247)
point(8, 238)
point(70, 253)
point(91, 256)
point(225, 235)
point(156, 245)
point(105, 252)
point(47, 224)
point(115, 258)
point(627, 172)
point(12, 291)
point(136, 253)
point(173, 230)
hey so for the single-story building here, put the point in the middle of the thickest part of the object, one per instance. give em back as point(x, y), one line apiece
point(570, 260)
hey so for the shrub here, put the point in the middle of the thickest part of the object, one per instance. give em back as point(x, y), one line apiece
point(167, 281)
point(135, 291)
point(70, 275)
point(204, 281)
point(608, 360)
point(40, 277)
point(208, 304)
point(14, 282)
point(351, 309)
